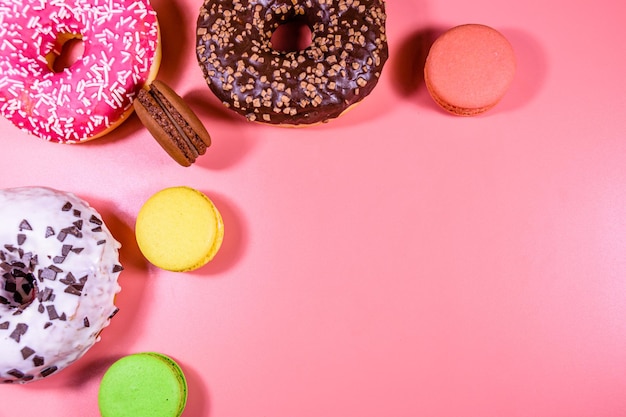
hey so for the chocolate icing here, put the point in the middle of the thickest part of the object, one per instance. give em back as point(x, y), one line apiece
point(339, 68)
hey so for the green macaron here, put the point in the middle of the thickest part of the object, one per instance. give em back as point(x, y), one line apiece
point(143, 384)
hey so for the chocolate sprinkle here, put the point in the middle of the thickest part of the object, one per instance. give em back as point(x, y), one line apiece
point(24, 225)
point(86, 322)
point(48, 324)
point(73, 230)
point(114, 313)
point(46, 295)
point(52, 312)
point(93, 219)
point(21, 238)
point(19, 331)
point(48, 371)
point(75, 289)
point(49, 231)
point(16, 373)
point(4, 326)
point(65, 250)
point(118, 268)
point(69, 279)
point(27, 352)
point(67, 206)
point(47, 273)
point(38, 361)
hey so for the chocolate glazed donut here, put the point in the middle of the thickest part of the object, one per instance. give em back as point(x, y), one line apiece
point(339, 68)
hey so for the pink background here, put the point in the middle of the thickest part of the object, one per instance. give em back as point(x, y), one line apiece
point(398, 261)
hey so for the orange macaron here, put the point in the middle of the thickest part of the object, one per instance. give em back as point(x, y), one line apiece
point(469, 69)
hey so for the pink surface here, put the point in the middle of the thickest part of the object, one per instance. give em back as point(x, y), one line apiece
point(398, 261)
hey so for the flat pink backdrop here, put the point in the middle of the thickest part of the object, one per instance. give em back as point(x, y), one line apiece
point(398, 261)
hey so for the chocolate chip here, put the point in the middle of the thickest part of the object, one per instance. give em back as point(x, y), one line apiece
point(86, 322)
point(4, 326)
point(118, 268)
point(49, 231)
point(67, 206)
point(21, 238)
point(38, 361)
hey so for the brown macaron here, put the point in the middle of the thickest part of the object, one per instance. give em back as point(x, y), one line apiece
point(172, 123)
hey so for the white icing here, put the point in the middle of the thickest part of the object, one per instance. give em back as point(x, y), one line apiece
point(63, 324)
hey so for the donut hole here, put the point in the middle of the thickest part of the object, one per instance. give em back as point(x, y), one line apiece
point(68, 49)
point(293, 35)
point(18, 289)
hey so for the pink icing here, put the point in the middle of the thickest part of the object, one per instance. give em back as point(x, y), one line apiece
point(120, 44)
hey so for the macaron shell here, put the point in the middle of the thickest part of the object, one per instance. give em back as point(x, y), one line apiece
point(469, 69)
point(172, 123)
point(144, 384)
point(179, 229)
point(161, 135)
point(183, 108)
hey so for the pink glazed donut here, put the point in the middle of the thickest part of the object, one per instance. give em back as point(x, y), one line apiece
point(94, 94)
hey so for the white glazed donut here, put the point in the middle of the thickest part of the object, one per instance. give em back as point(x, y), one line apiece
point(59, 266)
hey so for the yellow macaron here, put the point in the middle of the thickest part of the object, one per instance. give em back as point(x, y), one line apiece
point(179, 229)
